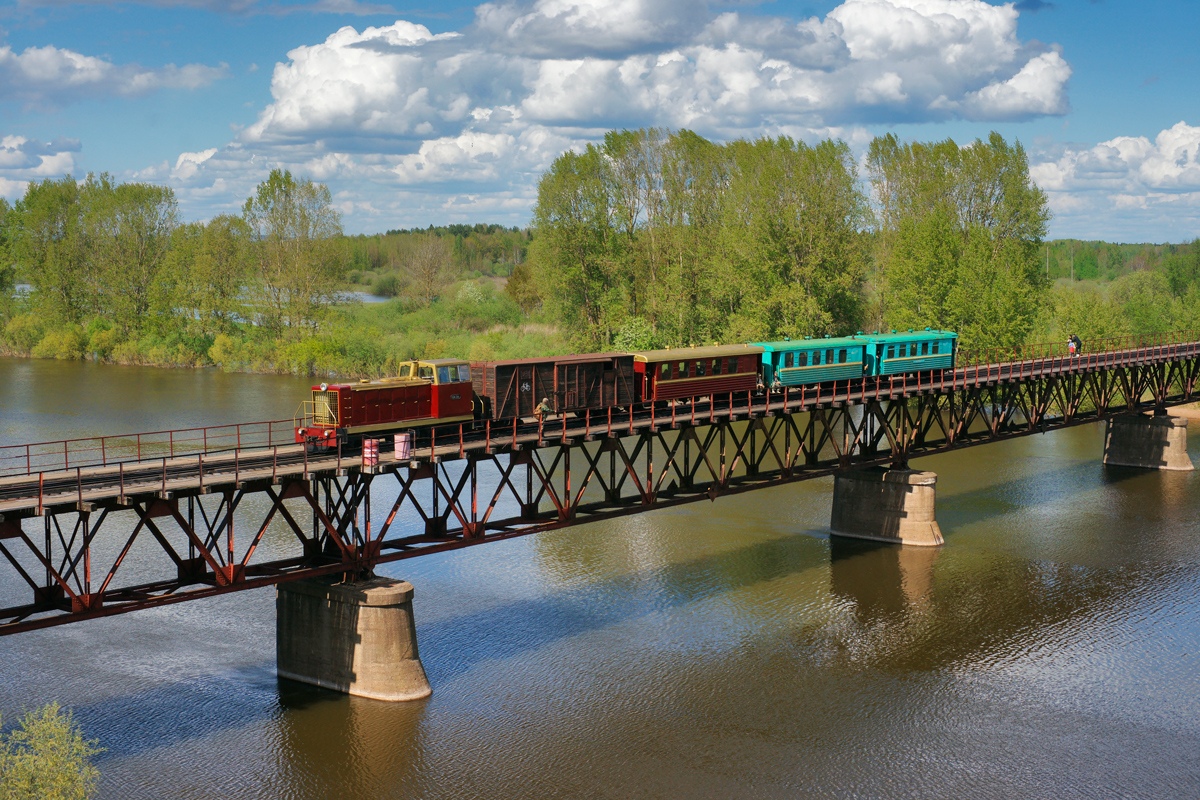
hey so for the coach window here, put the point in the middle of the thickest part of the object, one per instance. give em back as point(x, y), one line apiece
point(700, 369)
point(801, 359)
point(733, 365)
point(841, 356)
point(787, 360)
point(664, 372)
point(682, 372)
point(716, 366)
point(891, 353)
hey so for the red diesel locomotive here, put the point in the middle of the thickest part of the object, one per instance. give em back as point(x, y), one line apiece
point(423, 393)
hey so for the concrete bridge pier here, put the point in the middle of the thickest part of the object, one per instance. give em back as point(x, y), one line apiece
point(1158, 442)
point(358, 637)
point(886, 505)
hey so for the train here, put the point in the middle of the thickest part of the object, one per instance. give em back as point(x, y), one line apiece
point(428, 392)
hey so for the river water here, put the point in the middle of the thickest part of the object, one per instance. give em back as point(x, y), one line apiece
point(731, 650)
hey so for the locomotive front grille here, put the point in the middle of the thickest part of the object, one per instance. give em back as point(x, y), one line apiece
point(325, 408)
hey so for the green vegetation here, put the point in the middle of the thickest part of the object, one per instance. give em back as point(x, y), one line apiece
point(115, 276)
point(650, 238)
point(46, 757)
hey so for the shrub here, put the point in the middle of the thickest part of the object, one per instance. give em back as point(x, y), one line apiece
point(46, 757)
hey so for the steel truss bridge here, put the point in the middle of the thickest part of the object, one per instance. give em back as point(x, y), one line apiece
point(91, 528)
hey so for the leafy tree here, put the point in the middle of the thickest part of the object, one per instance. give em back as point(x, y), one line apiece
point(295, 251)
point(960, 231)
point(50, 244)
point(573, 245)
point(129, 231)
point(205, 272)
point(46, 757)
point(429, 266)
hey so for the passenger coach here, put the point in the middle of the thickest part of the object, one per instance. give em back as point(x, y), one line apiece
point(689, 372)
point(806, 361)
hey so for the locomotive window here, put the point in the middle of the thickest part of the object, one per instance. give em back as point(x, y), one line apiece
point(700, 368)
point(406, 370)
point(464, 372)
point(425, 372)
point(841, 356)
point(444, 374)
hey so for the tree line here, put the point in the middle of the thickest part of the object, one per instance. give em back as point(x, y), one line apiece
point(657, 238)
point(649, 238)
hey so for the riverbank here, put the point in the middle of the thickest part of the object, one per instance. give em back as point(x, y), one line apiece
point(352, 340)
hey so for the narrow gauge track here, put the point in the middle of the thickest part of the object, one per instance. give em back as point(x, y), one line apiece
point(113, 483)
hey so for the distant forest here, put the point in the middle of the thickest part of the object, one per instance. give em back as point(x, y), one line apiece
point(650, 238)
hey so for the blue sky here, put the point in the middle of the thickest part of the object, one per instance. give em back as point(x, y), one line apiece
point(419, 112)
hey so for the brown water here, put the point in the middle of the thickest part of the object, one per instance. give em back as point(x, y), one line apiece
point(1049, 649)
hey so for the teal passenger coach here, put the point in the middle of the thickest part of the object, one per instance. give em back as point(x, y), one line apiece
point(799, 362)
point(796, 362)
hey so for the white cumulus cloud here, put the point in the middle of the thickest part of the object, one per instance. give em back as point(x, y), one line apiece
point(51, 76)
point(23, 160)
point(1145, 181)
point(484, 110)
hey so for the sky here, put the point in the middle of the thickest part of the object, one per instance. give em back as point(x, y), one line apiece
point(424, 112)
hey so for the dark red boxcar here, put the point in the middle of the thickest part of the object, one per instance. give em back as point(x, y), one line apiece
point(570, 383)
point(424, 393)
point(689, 372)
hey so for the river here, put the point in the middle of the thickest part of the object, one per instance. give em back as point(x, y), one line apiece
point(729, 650)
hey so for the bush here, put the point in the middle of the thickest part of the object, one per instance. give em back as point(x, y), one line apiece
point(46, 758)
point(66, 344)
point(23, 332)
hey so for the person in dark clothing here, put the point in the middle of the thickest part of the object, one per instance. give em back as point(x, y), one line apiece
point(1078, 344)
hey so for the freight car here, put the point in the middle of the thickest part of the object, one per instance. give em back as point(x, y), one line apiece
point(423, 393)
point(511, 389)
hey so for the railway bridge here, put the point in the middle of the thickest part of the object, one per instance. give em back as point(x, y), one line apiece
point(107, 525)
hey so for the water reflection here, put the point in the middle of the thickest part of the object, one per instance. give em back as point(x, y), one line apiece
point(881, 579)
point(728, 649)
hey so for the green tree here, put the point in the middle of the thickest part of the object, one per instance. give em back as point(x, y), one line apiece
point(295, 251)
point(129, 232)
point(200, 287)
point(960, 231)
point(50, 246)
point(572, 247)
point(46, 757)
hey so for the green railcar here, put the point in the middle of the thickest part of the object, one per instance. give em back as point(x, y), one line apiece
point(896, 353)
point(798, 362)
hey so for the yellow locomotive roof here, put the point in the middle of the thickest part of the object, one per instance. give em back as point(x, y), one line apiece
point(686, 353)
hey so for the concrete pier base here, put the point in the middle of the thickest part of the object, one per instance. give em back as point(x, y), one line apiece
point(358, 638)
point(886, 505)
point(1134, 440)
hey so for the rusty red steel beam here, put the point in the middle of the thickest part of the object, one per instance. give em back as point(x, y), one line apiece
point(1046, 392)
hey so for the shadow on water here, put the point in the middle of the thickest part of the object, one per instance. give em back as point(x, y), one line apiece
point(947, 610)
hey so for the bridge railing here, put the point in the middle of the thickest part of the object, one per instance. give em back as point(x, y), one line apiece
point(968, 357)
point(97, 451)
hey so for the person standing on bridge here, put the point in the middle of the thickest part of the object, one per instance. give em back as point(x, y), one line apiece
point(1071, 344)
point(1078, 345)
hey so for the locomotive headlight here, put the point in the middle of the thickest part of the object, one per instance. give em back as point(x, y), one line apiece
point(324, 386)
